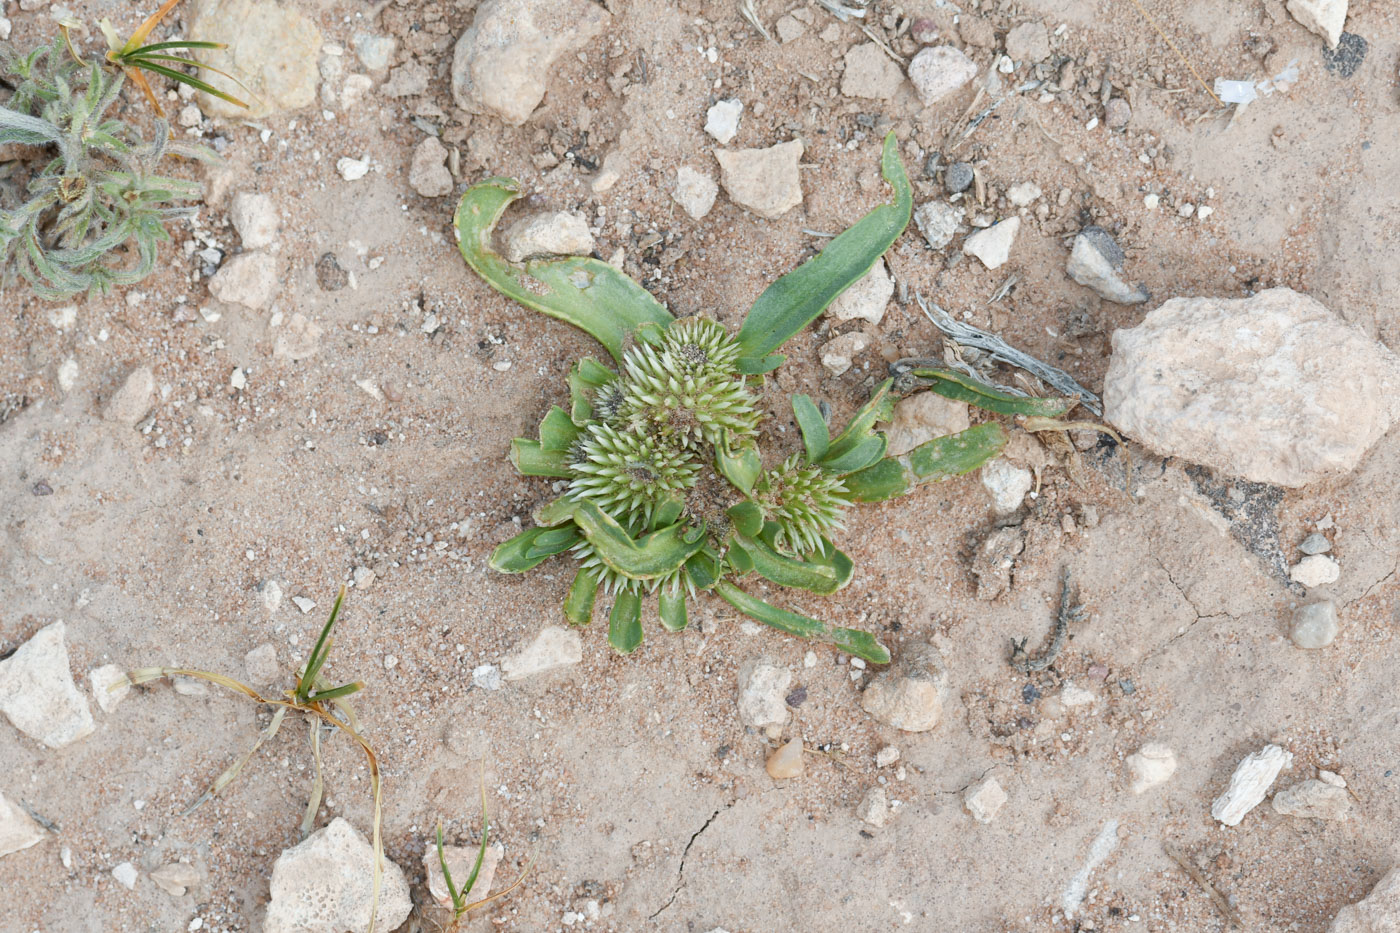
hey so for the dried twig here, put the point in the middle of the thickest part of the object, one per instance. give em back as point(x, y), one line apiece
point(1068, 613)
point(1190, 868)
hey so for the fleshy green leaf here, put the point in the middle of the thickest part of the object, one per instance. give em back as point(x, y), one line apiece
point(816, 437)
point(578, 605)
point(861, 427)
point(741, 467)
point(625, 622)
point(702, 569)
point(530, 548)
point(586, 377)
point(747, 516)
point(795, 300)
point(671, 607)
point(867, 452)
point(557, 431)
point(530, 459)
point(789, 571)
point(962, 388)
point(939, 459)
point(588, 293)
point(651, 556)
point(885, 480)
point(738, 558)
point(861, 644)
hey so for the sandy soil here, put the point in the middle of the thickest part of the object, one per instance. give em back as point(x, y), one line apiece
point(632, 779)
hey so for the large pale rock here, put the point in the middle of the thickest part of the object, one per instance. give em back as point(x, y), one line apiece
point(17, 829)
point(910, 695)
point(554, 647)
point(920, 418)
point(1315, 800)
point(37, 692)
point(762, 694)
point(502, 63)
point(1324, 17)
point(324, 884)
point(763, 180)
point(1249, 784)
point(1377, 912)
point(1273, 388)
point(866, 298)
point(272, 48)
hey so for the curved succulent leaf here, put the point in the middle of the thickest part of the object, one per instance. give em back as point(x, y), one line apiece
point(741, 466)
point(703, 569)
point(816, 436)
point(646, 558)
point(789, 571)
point(864, 454)
point(557, 431)
point(671, 608)
point(586, 377)
point(747, 517)
point(588, 293)
point(531, 548)
point(578, 605)
point(939, 459)
point(531, 459)
point(963, 388)
point(795, 300)
point(860, 430)
point(861, 644)
point(625, 622)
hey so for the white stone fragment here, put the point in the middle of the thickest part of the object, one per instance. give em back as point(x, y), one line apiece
point(427, 172)
point(1151, 765)
point(1315, 570)
point(910, 694)
point(866, 298)
point(722, 120)
point(762, 697)
point(874, 807)
point(37, 692)
point(839, 352)
point(248, 279)
point(1024, 194)
point(554, 647)
point(324, 885)
point(695, 191)
point(558, 233)
point(352, 169)
point(993, 245)
point(938, 71)
point(1096, 262)
point(129, 404)
point(1324, 17)
point(1314, 800)
point(938, 221)
point(984, 799)
point(18, 830)
point(1250, 784)
point(765, 181)
point(126, 875)
point(102, 679)
point(255, 218)
point(1007, 483)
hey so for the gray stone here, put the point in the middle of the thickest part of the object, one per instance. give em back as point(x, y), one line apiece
point(1315, 543)
point(1273, 388)
point(695, 191)
point(1377, 912)
point(375, 52)
point(910, 694)
point(255, 218)
point(993, 245)
point(938, 71)
point(938, 221)
point(37, 692)
point(958, 177)
point(1096, 262)
point(1028, 42)
point(558, 233)
point(554, 647)
point(272, 47)
point(762, 697)
point(129, 404)
point(502, 63)
point(1314, 800)
point(1315, 625)
point(1117, 113)
point(324, 885)
point(427, 173)
point(867, 297)
point(765, 181)
point(18, 830)
point(248, 279)
point(1250, 784)
point(870, 73)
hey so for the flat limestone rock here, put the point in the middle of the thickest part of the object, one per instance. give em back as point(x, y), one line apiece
point(37, 692)
point(764, 181)
point(1377, 912)
point(272, 47)
point(323, 885)
point(1273, 388)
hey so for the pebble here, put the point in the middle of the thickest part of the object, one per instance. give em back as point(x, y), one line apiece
point(352, 169)
point(353, 90)
point(1028, 42)
point(487, 677)
point(325, 883)
point(1007, 484)
point(271, 593)
point(1273, 388)
point(1346, 58)
point(874, 807)
point(1117, 113)
point(460, 861)
point(248, 279)
point(958, 177)
point(1314, 625)
point(993, 245)
point(362, 578)
point(1315, 570)
point(977, 31)
point(299, 340)
point(126, 875)
point(273, 49)
point(867, 297)
point(984, 800)
point(762, 694)
point(37, 693)
point(837, 354)
point(909, 695)
point(695, 191)
point(1315, 543)
point(101, 680)
point(129, 404)
point(938, 222)
point(1326, 18)
point(374, 52)
point(1249, 784)
point(1314, 800)
point(554, 647)
point(330, 274)
point(18, 830)
point(786, 761)
point(790, 28)
point(559, 233)
point(1096, 262)
point(1072, 696)
point(255, 218)
point(765, 181)
point(886, 756)
point(304, 603)
point(68, 374)
point(722, 120)
point(190, 116)
point(1377, 912)
point(503, 62)
point(870, 73)
point(427, 173)
point(920, 418)
point(1151, 765)
point(938, 71)
point(260, 665)
point(1024, 194)
point(176, 878)
point(924, 30)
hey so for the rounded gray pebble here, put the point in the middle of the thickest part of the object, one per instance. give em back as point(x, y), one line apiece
point(1315, 625)
point(1315, 543)
point(958, 177)
point(1117, 113)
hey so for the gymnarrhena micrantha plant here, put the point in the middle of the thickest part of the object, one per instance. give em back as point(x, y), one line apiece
point(667, 490)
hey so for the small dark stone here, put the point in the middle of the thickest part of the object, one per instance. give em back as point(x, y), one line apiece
point(1024, 723)
point(1029, 694)
point(958, 177)
point(42, 488)
point(722, 752)
point(797, 697)
point(329, 275)
point(866, 834)
point(1347, 56)
point(1127, 686)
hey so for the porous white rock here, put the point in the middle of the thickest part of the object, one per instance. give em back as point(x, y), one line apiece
point(1314, 800)
point(126, 875)
point(503, 62)
point(938, 221)
point(1315, 570)
point(695, 191)
point(273, 49)
point(248, 279)
point(866, 298)
point(352, 169)
point(938, 71)
point(1151, 765)
point(1096, 262)
point(1024, 194)
point(984, 799)
point(722, 119)
point(460, 860)
point(921, 417)
point(1377, 912)
point(37, 693)
point(129, 404)
point(765, 181)
point(762, 694)
point(255, 218)
point(910, 694)
point(1250, 784)
point(1007, 484)
point(558, 233)
point(869, 73)
point(1273, 388)
point(554, 647)
point(1327, 18)
point(103, 680)
point(18, 830)
point(324, 884)
point(993, 244)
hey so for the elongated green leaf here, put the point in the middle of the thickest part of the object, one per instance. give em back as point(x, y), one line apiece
point(738, 559)
point(653, 555)
point(322, 650)
point(586, 377)
point(795, 300)
point(789, 571)
point(861, 644)
point(671, 607)
point(816, 437)
point(578, 605)
point(864, 454)
point(530, 459)
point(887, 479)
point(558, 512)
point(860, 429)
point(557, 431)
point(703, 569)
point(521, 553)
point(181, 78)
point(833, 557)
point(553, 541)
point(963, 388)
point(625, 622)
point(939, 459)
point(667, 512)
point(588, 293)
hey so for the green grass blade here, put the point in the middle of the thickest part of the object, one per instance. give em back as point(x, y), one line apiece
point(671, 608)
point(625, 622)
point(530, 458)
point(318, 784)
point(816, 436)
point(963, 388)
point(181, 78)
point(578, 605)
point(861, 644)
point(178, 44)
point(307, 681)
point(795, 300)
point(588, 293)
point(446, 872)
point(336, 693)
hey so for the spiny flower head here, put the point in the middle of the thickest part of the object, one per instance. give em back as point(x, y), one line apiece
point(692, 402)
point(628, 473)
point(804, 502)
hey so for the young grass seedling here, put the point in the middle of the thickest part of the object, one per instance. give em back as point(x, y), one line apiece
point(324, 705)
point(460, 906)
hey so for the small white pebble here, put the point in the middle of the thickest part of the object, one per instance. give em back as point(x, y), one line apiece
point(352, 169)
point(1204, 211)
point(303, 603)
